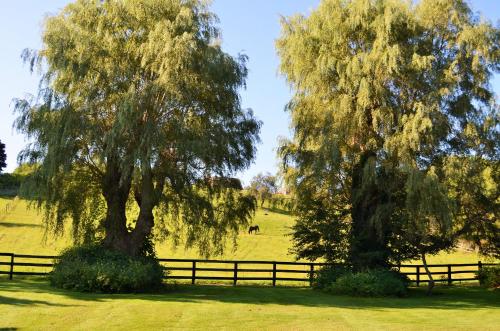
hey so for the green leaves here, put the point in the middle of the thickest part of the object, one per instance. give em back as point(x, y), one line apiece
point(406, 83)
point(136, 93)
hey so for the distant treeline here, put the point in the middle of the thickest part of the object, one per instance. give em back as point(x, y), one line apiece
point(10, 183)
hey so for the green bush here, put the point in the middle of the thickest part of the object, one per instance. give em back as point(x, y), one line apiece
point(489, 277)
point(95, 269)
point(371, 283)
point(328, 275)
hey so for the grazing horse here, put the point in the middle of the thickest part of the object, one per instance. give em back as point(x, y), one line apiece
point(253, 229)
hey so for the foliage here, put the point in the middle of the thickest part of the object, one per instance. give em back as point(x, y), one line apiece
point(489, 277)
point(370, 283)
point(263, 187)
point(10, 181)
point(385, 93)
point(283, 202)
point(329, 275)
point(3, 157)
point(139, 103)
point(474, 184)
point(95, 269)
point(14, 183)
point(321, 230)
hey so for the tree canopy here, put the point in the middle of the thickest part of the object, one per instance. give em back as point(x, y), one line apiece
point(387, 94)
point(138, 106)
point(263, 186)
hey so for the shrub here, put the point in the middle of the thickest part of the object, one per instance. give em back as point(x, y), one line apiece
point(95, 269)
point(372, 283)
point(489, 277)
point(328, 275)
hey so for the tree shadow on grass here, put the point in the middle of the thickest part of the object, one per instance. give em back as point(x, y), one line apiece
point(19, 225)
point(460, 298)
point(27, 302)
point(277, 211)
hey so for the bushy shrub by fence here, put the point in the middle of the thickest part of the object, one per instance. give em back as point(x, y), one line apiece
point(489, 276)
point(94, 269)
point(371, 283)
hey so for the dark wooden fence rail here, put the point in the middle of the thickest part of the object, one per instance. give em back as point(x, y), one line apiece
point(234, 271)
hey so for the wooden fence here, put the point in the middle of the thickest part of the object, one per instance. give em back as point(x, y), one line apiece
point(193, 270)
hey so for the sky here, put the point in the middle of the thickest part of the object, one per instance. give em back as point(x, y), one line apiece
point(248, 26)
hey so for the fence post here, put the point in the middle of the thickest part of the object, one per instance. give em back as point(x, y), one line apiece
point(418, 276)
point(479, 268)
point(235, 276)
point(274, 273)
point(449, 275)
point(11, 272)
point(193, 273)
point(311, 275)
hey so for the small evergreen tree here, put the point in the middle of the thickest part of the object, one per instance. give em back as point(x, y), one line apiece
point(3, 157)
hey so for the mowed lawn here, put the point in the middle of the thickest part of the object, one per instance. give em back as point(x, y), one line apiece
point(33, 304)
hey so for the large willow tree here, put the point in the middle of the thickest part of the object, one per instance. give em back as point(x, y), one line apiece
point(138, 105)
point(387, 94)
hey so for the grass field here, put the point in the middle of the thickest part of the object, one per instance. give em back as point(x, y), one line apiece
point(21, 232)
point(32, 304)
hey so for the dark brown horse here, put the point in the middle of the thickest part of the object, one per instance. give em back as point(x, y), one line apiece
point(253, 229)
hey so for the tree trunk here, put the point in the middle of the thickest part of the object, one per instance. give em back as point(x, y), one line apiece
point(427, 271)
point(367, 249)
point(115, 224)
point(147, 200)
point(116, 188)
point(116, 191)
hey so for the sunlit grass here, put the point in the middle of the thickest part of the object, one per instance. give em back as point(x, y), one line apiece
point(22, 232)
point(33, 304)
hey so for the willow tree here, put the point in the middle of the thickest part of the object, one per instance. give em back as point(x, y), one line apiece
point(385, 91)
point(138, 104)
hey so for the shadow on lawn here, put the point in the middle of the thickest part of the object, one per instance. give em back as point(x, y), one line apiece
point(26, 302)
point(277, 210)
point(445, 298)
point(19, 225)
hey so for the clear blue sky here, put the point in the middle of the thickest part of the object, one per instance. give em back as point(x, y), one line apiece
point(248, 26)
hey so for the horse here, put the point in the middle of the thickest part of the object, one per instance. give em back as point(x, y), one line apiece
point(253, 229)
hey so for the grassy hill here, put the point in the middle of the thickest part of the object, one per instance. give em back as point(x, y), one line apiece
point(22, 232)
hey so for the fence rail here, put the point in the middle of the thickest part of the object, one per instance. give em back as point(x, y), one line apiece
point(240, 271)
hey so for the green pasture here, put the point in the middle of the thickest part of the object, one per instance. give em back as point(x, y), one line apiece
point(22, 232)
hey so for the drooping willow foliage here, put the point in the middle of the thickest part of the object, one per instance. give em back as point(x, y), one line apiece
point(138, 104)
point(387, 94)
